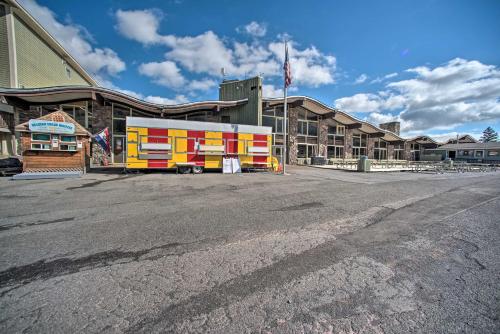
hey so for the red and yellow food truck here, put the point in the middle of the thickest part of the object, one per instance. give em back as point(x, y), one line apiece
point(190, 145)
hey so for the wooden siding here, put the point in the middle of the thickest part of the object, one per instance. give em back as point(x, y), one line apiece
point(38, 65)
point(4, 49)
point(34, 159)
point(249, 113)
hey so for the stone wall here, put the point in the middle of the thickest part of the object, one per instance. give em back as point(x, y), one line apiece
point(323, 137)
point(102, 118)
point(292, 135)
point(407, 151)
point(390, 151)
point(348, 144)
point(370, 147)
point(24, 115)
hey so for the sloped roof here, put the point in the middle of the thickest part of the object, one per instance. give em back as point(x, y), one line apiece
point(462, 139)
point(57, 116)
point(470, 146)
point(340, 116)
point(27, 18)
point(423, 140)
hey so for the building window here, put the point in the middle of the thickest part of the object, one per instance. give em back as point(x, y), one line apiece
point(335, 148)
point(41, 147)
point(66, 147)
point(42, 141)
point(307, 134)
point(119, 119)
point(335, 152)
point(479, 154)
point(358, 145)
point(40, 137)
point(380, 149)
point(274, 118)
point(225, 119)
point(79, 111)
point(399, 151)
point(494, 153)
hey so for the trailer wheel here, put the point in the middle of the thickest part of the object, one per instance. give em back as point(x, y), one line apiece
point(184, 170)
point(197, 169)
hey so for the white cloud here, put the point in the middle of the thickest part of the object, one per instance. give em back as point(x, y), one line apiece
point(207, 53)
point(271, 91)
point(165, 73)
point(362, 78)
point(169, 75)
point(385, 77)
point(179, 99)
point(139, 25)
point(441, 98)
point(254, 29)
point(203, 84)
point(369, 103)
point(359, 103)
point(77, 41)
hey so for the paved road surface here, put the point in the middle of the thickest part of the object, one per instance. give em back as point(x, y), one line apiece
point(316, 251)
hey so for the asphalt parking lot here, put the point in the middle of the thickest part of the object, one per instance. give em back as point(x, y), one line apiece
point(316, 251)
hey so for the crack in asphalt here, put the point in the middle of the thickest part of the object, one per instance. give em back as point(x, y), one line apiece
point(42, 270)
point(468, 254)
point(21, 225)
point(303, 206)
point(98, 182)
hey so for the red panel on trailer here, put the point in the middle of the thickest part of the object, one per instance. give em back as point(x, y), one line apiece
point(152, 138)
point(260, 140)
point(195, 136)
point(231, 139)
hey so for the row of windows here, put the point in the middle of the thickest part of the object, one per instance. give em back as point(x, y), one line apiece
point(48, 137)
point(479, 153)
point(44, 142)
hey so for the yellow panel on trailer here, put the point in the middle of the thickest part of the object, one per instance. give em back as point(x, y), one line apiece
point(179, 151)
point(213, 138)
point(134, 136)
point(244, 139)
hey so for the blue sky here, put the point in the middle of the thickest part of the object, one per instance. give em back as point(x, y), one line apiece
point(433, 65)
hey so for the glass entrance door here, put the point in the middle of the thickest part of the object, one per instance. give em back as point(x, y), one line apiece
point(119, 150)
point(278, 153)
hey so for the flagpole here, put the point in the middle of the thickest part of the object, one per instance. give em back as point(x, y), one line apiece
point(285, 107)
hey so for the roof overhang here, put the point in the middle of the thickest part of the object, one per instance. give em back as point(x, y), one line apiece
point(73, 93)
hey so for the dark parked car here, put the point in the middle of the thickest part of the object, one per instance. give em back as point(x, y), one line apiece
point(10, 166)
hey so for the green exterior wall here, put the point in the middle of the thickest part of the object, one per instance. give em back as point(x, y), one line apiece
point(38, 65)
point(4, 49)
point(249, 113)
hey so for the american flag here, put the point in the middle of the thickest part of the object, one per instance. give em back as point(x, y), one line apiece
point(287, 69)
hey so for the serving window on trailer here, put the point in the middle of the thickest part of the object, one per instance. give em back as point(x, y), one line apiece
point(168, 143)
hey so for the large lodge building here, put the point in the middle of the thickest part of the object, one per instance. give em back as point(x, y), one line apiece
point(38, 76)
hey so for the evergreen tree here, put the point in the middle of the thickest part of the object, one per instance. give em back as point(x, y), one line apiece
point(489, 135)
